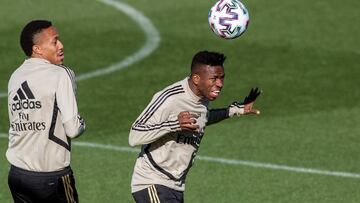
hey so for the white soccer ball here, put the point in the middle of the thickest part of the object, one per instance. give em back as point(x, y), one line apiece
point(228, 19)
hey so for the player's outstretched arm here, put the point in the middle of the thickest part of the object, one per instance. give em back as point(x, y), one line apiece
point(246, 106)
point(236, 108)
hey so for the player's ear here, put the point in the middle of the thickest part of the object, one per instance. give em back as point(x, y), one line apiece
point(195, 78)
point(36, 49)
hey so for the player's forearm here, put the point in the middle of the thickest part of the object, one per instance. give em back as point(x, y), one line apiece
point(217, 115)
point(145, 134)
point(74, 127)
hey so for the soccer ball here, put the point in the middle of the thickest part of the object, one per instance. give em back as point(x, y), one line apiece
point(228, 18)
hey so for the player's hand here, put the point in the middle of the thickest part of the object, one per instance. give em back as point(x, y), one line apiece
point(249, 101)
point(253, 94)
point(246, 106)
point(187, 121)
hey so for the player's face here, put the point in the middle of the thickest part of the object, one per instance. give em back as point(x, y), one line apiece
point(211, 82)
point(48, 45)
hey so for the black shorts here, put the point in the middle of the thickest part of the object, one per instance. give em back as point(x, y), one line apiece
point(157, 194)
point(40, 187)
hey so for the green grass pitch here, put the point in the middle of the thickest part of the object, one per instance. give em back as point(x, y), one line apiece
point(303, 54)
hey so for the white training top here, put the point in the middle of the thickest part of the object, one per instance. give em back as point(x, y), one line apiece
point(43, 116)
point(167, 151)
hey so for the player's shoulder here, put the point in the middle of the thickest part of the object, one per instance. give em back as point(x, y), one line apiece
point(171, 92)
point(177, 86)
point(64, 70)
point(173, 88)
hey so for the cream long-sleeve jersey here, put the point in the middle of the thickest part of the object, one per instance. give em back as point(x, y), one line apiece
point(43, 116)
point(167, 152)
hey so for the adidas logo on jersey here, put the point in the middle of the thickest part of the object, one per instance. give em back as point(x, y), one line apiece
point(25, 99)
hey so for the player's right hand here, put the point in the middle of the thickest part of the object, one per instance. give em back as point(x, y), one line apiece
point(187, 121)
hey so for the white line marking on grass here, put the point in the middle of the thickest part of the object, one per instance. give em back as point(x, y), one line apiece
point(220, 160)
point(279, 167)
point(152, 42)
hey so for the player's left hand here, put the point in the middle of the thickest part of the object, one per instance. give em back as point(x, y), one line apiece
point(246, 106)
point(253, 94)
